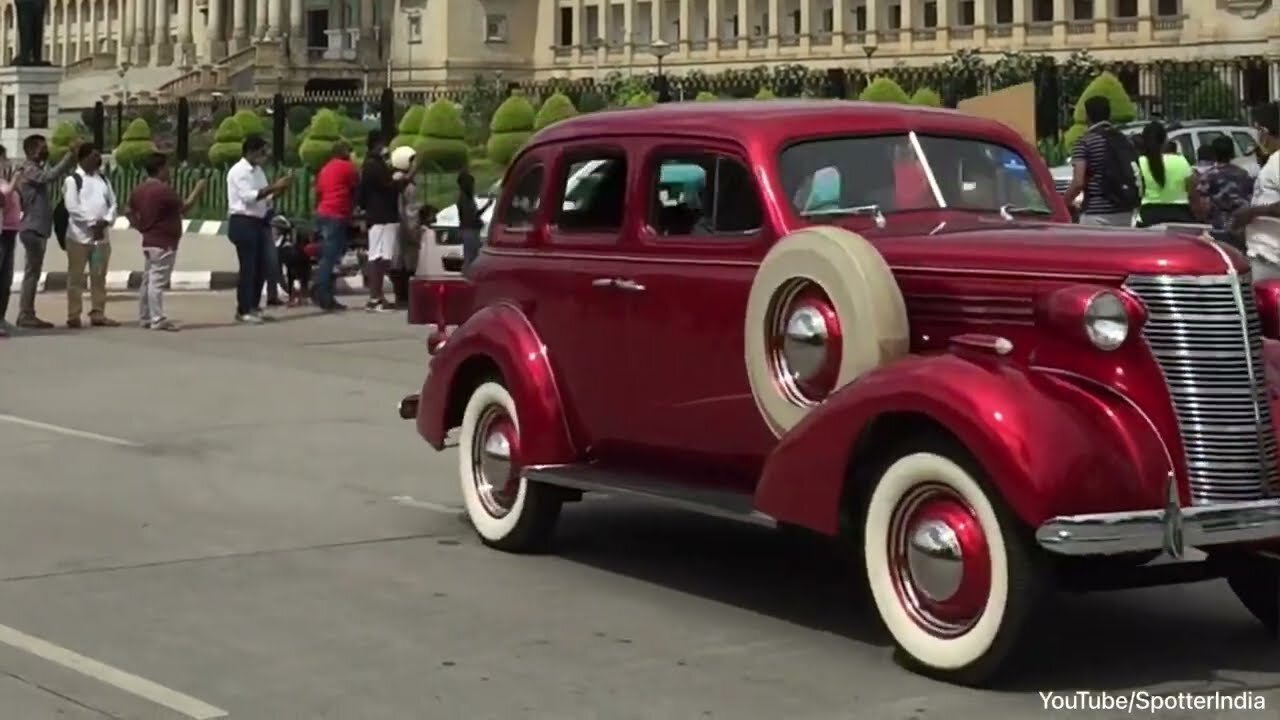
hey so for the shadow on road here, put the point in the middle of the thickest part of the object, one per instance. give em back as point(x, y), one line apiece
point(1186, 636)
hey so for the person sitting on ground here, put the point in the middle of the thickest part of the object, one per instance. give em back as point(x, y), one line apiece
point(155, 210)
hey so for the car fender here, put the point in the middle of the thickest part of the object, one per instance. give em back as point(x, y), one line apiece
point(1049, 445)
point(497, 338)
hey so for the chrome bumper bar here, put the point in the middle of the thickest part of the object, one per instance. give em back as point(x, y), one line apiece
point(1172, 529)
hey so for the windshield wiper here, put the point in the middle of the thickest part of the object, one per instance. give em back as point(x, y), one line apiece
point(1007, 212)
point(872, 210)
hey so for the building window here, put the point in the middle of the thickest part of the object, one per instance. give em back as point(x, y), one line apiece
point(931, 14)
point(1167, 7)
point(415, 29)
point(1041, 11)
point(566, 27)
point(495, 28)
point(967, 15)
point(828, 20)
point(1004, 12)
point(1127, 8)
point(860, 19)
point(591, 29)
point(895, 17)
point(1082, 10)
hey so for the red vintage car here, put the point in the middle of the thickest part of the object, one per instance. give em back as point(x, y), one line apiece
point(873, 322)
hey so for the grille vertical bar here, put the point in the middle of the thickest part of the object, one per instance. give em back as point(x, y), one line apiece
point(1206, 336)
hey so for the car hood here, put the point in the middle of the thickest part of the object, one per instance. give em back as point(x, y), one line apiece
point(1052, 249)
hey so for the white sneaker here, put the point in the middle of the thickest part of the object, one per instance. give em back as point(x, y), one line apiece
point(250, 319)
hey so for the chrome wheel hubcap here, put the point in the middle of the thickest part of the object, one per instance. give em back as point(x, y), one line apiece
point(494, 465)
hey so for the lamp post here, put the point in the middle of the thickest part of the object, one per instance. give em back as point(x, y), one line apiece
point(410, 15)
point(869, 50)
point(596, 46)
point(661, 49)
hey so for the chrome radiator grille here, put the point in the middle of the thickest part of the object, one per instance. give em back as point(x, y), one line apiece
point(1205, 334)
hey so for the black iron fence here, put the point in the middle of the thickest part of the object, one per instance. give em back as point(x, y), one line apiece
point(1172, 90)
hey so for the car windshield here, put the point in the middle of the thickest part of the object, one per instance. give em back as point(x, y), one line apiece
point(886, 174)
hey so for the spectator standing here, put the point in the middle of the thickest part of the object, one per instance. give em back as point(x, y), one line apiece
point(91, 209)
point(470, 218)
point(336, 185)
point(156, 211)
point(380, 198)
point(1167, 180)
point(1222, 189)
point(10, 221)
point(1263, 248)
point(34, 181)
point(402, 161)
point(1103, 170)
point(249, 196)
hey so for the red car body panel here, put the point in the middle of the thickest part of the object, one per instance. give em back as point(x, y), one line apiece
point(1059, 427)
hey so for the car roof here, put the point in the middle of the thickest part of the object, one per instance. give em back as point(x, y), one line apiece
point(771, 121)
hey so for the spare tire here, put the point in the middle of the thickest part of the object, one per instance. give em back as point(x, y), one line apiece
point(857, 293)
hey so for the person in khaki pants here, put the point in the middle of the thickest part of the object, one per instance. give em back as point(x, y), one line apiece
point(91, 209)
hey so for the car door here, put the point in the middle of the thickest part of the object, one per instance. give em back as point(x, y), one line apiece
point(581, 314)
point(700, 240)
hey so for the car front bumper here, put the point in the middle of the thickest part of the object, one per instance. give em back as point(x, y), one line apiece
point(1172, 529)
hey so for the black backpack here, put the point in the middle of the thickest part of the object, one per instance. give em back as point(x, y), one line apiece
point(61, 218)
point(1119, 184)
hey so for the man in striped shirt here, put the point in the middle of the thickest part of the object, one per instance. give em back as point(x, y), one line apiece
point(1102, 163)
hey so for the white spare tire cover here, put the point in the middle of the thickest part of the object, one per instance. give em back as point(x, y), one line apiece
point(863, 293)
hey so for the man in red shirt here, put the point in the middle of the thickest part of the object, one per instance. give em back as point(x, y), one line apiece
point(156, 211)
point(335, 198)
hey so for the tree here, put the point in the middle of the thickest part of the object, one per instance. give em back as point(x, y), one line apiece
point(325, 131)
point(765, 94)
point(135, 145)
point(556, 108)
point(705, 96)
point(61, 140)
point(926, 97)
point(884, 89)
point(443, 145)
point(250, 123)
point(1108, 86)
point(410, 127)
point(227, 143)
point(510, 129)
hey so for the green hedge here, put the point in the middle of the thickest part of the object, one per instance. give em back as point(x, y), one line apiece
point(135, 145)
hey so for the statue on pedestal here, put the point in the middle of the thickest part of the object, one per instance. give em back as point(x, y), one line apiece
point(31, 32)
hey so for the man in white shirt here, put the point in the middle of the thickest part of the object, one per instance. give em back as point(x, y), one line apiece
point(249, 200)
point(1262, 244)
point(91, 208)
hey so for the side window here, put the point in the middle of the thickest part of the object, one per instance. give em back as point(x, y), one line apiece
point(522, 205)
point(595, 193)
point(703, 194)
point(1186, 148)
point(1245, 143)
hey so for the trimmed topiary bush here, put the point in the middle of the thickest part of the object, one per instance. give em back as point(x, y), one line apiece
point(766, 94)
point(641, 100)
point(510, 129)
point(884, 89)
point(135, 145)
point(556, 108)
point(410, 127)
point(61, 139)
point(317, 148)
point(592, 102)
point(443, 147)
point(227, 141)
point(298, 118)
point(926, 97)
point(250, 123)
point(1108, 86)
point(705, 96)
point(1071, 137)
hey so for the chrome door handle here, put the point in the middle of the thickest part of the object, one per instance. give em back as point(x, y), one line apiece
point(602, 282)
point(630, 285)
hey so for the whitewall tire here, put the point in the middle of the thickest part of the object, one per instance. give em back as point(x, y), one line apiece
point(946, 571)
point(507, 511)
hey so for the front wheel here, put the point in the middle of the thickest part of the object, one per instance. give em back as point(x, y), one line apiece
point(951, 579)
point(1256, 582)
point(507, 511)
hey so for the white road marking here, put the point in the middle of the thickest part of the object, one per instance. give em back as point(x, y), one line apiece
point(407, 501)
point(132, 684)
point(69, 432)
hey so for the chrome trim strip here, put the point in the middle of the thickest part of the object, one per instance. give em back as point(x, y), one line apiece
point(1149, 530)
point(928, 169)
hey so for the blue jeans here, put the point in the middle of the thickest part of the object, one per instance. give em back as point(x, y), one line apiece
point(248, 234)
point(333, 242)
point(471, 244)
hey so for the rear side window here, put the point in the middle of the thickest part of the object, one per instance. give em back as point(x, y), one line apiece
point(522, 205)
point(594, 192)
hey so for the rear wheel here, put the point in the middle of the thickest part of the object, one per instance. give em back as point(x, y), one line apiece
point(949, 574)
point(507, 511)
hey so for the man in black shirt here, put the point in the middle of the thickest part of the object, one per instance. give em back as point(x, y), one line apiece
point(380, 198)
point(470, 218)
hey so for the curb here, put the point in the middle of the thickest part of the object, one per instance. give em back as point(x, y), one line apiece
point(181, 280)
point(189, 227)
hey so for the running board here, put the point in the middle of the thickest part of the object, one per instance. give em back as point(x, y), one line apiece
point(589, 478)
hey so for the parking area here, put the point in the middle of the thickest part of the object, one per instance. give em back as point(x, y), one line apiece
point(232, 522)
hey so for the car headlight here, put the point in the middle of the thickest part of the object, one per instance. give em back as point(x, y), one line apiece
point(1106, 321)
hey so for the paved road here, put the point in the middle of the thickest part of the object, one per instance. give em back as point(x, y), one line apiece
point(248, 529)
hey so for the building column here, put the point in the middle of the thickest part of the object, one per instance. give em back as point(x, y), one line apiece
point(628, 31)
point(943, 35)
point(78, 32)
point(184, 54)
point(94, 43)
point(713, 27)
point(655, 20)
point(66, 31)
point(297, 28)
point(908, 24)
point(873, 24)
point(124, 40)
point(161, 35)
point(744, 26)
point(578, 34)
point(1059, 22)
point(1019, 35)
point(774, 30)
point(141, 33)
point(838, 9)
point(239, 25)
point(684, 29)
point(368, 47)
point(806, 25)
point(262, 19)
point(217, 31)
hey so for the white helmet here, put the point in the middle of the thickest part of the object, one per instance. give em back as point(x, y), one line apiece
point(402, 157)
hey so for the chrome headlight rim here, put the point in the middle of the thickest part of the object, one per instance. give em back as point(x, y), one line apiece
point(1107, 323)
